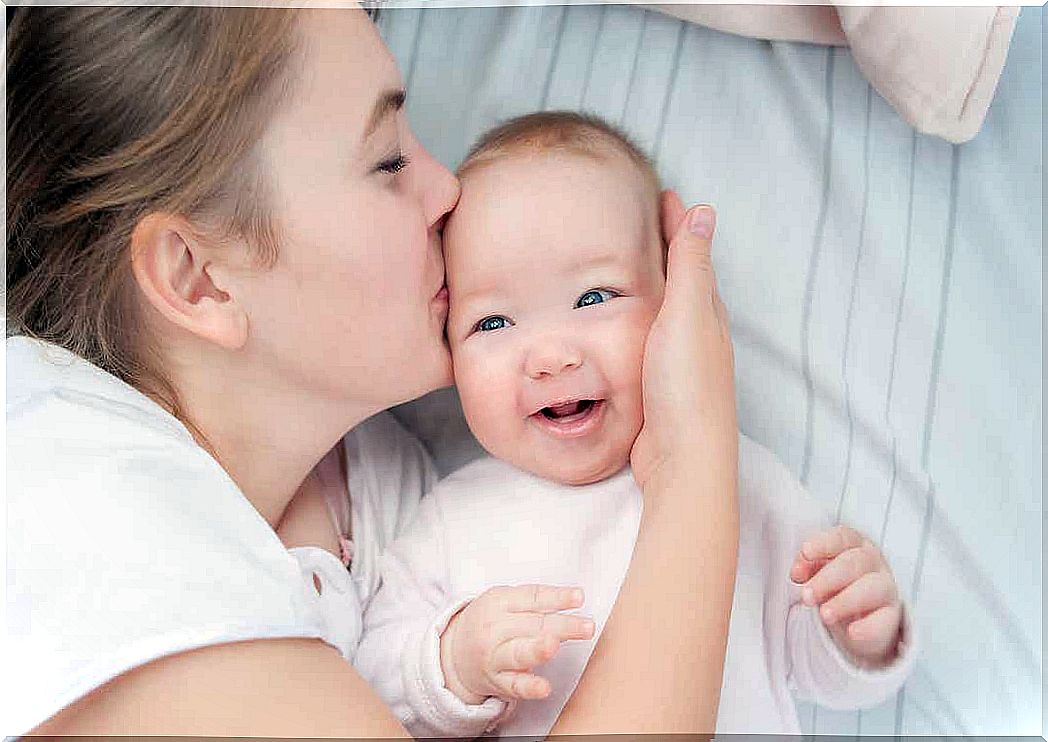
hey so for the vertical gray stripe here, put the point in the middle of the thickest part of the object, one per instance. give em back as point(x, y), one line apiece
point(814, 716)
point(553, 59)
point(933, 389)
point(656, 148)
point(944, 295)
point(414, 51)
point(813, 265)
point(633, 68)
point(922, 549)
point(895, 339)
point(851, 299)
point(925, 528)
point(900, 702)
point(933, 382)
point(593, 55)
point(900, 696)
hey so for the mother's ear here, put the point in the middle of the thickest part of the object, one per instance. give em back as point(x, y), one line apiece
point(175, 272)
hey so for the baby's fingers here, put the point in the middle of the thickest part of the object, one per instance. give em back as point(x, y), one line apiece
point(878, 628)
point(840, 572)
point(524, 653)
point(540, 598)
point(829, 544)
point(867, 594)
point(802, 570)
point(521, 686)
point(561, 626)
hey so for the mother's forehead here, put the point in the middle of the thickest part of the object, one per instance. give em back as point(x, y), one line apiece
point(343, 68)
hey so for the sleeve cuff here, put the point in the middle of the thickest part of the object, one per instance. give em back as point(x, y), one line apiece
point(848, 685)
point(441, 711)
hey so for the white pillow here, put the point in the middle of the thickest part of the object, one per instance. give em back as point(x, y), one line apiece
point(937, 66)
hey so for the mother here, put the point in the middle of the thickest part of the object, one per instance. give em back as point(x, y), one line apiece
point(224, 230)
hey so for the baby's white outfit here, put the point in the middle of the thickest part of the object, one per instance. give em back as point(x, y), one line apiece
point(490, 524)
point(127, 542)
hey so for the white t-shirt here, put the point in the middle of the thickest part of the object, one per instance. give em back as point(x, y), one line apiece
point(128, 542)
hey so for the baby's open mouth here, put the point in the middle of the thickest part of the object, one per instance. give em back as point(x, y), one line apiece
point(578, 417)
point(568, 410)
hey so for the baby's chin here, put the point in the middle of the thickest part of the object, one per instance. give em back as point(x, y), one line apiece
point(569, 471)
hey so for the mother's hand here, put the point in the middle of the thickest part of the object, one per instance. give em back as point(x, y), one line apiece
point(641, 679)
point(688, 376)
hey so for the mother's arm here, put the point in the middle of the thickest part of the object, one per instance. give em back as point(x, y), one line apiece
point(275, 687)
point(658, 665)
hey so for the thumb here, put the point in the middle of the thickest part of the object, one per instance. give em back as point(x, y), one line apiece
point(689, 265)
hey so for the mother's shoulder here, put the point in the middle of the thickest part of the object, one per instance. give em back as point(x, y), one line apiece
point(89, 455)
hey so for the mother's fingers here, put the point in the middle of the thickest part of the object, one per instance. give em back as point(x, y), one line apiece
point(722, 314)
point(689, 265)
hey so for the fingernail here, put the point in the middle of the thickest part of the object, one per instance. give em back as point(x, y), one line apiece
point(576, 596)
point(701, 221)
point(827, 615)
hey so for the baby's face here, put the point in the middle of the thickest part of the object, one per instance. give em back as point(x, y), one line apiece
point(554, 268)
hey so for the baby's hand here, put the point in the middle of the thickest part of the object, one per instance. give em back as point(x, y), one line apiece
point(846, 575)
point(490, 647)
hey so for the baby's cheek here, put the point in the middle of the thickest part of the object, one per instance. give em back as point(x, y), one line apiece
point(487, 400)
point(630, 361)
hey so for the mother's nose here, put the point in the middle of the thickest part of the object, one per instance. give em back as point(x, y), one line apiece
point(550, 358)
point(440, 188)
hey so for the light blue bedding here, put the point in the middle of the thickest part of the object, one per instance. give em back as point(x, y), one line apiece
point(884, 289)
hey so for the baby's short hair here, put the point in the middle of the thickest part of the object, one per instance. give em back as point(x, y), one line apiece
point(565, 131)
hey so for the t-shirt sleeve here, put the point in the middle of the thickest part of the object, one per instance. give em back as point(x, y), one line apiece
point(126, 543)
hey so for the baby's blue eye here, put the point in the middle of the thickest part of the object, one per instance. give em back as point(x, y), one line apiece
point(594, 296)
point(489, 324)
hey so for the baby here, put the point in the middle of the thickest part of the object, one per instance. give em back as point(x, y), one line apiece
point(555, 270)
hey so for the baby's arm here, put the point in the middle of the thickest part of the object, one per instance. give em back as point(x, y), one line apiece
point(849, 642)
point(399, 648)
point(447, 665)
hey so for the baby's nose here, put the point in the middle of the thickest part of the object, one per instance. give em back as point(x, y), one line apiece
point(551, 359)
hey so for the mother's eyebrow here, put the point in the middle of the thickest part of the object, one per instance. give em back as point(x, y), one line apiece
point(390, 101)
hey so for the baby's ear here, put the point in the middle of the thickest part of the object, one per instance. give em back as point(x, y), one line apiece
point(671, 214)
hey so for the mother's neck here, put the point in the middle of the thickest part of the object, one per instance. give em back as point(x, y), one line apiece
point(266, 436)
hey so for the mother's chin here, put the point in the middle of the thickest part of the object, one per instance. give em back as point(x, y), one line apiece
point(423, 371)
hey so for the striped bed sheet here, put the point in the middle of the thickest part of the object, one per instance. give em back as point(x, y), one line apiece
point(884, 289)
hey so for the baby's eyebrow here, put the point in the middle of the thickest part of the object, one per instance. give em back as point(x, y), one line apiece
point(614, 258)
point(464, 301)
